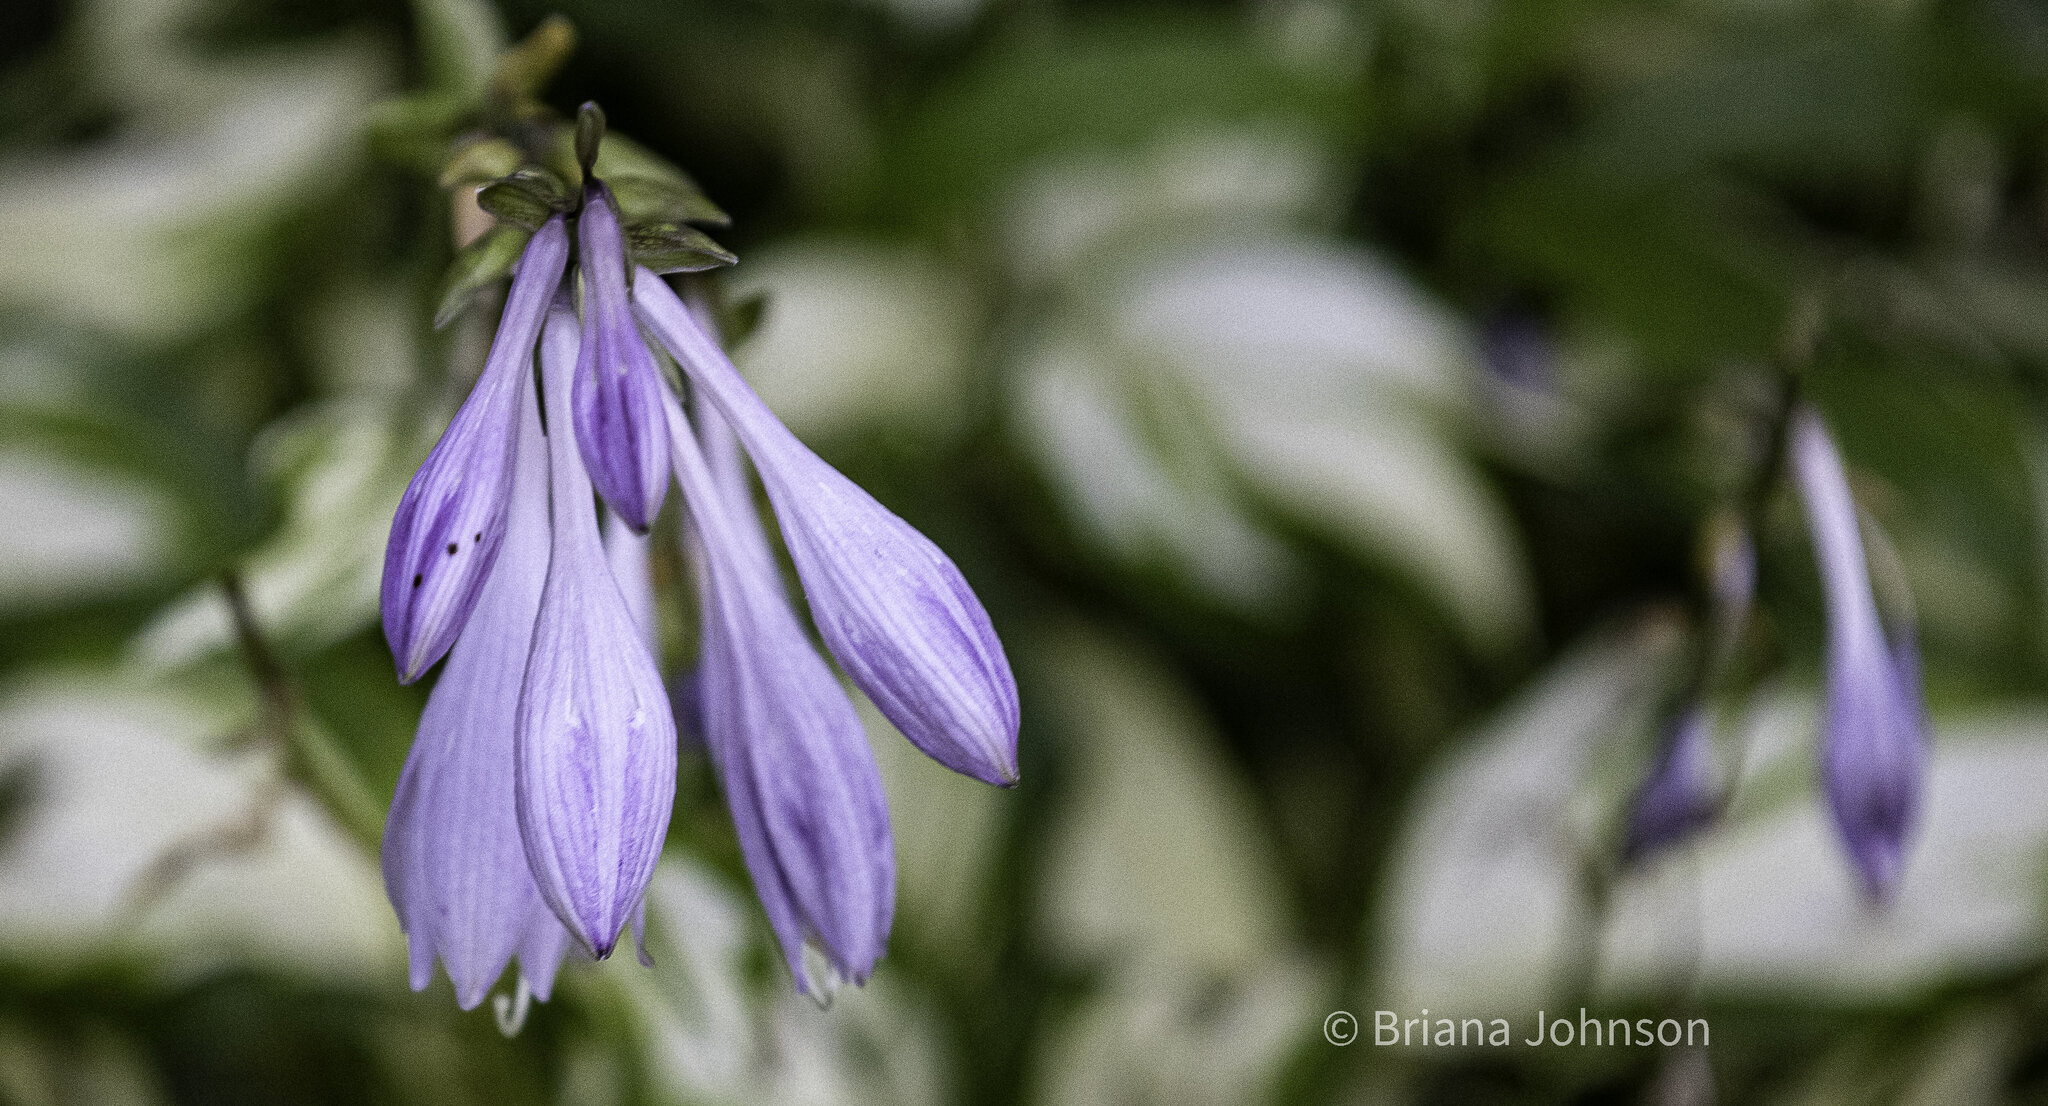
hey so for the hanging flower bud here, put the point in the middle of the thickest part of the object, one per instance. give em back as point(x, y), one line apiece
point(1874, 731)
point(890, 605)
point(1677, 799)
point(596, 743)
point(451, 520)
point(618, 387)
point(805, 793)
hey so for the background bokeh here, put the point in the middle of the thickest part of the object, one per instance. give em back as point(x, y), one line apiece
point(1328, 399)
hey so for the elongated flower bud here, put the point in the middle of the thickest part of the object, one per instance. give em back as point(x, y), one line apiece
point(1677, 799)
point(1874, 732)
point(596, 743)
point(890, 605)
point(453, 863)
point(451, 520)
point(618, 390)
point(805, 793)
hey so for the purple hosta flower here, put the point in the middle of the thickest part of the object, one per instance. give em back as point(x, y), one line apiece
point(451, 520)
point(890, 605)
point(1678, 798)
point(1874, 729)
point(805, 794)
point(618, 387)
point(453, 863)
point(596, 743)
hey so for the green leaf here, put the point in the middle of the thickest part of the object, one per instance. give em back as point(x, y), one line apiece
point(513, 204)
point(413, 131)
point(479, 162)
point(459, 43)
point(622, 157)
point(1105, 83)
point(480, 264)
point(673, 248)
point(673, 199)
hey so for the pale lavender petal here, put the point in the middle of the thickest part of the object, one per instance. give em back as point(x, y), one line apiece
point(805, 793)
point(453, 862)
point(618, 387)
point(890, 605)
point(542, 949)
point(596, 744)
point(1874, 741)
point(627, 553)
point(1678, 798)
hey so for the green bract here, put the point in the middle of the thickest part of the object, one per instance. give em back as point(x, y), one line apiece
point(674, 248)
point(528, 197)
point(671, 198)
point(480, 264)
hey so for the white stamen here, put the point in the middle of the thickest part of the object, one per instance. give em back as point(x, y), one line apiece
point(510, 1010)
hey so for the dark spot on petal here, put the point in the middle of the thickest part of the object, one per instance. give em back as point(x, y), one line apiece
point(451, 548)
point(417, 579)
point(479, 537)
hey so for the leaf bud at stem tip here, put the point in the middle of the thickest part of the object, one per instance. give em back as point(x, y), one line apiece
point(589, 133)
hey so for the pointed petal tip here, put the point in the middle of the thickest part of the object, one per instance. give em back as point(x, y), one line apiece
point(470, 996)
point(583, 934)
point(421, 956)
point(998, 773)
point(405, 658)
point(638, 511)
point(541, 984)
point(998, 770)
point(1007, 774)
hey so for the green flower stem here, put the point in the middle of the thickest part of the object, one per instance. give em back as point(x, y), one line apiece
point(312, 758)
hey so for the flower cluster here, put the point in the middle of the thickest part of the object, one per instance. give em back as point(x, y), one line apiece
point(533, 806)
